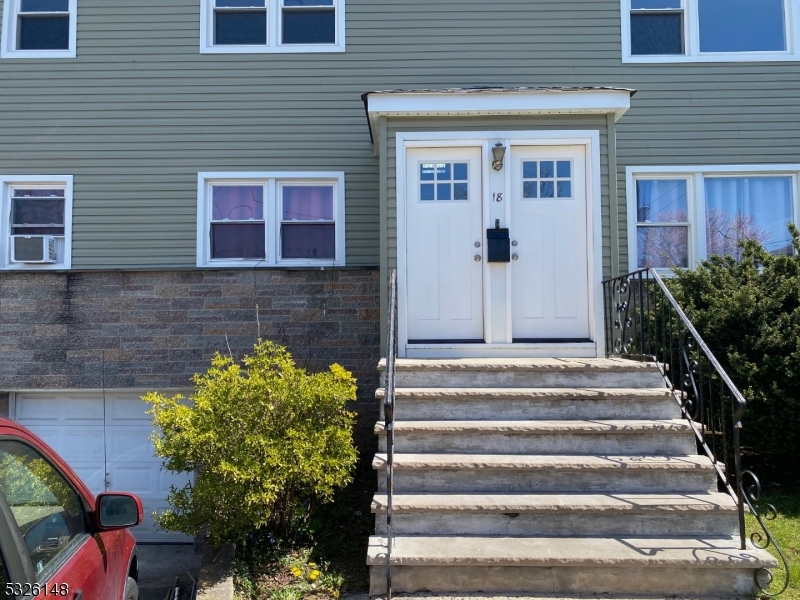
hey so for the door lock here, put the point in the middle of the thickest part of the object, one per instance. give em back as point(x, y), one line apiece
point(477, 244)
point(477, 258)
point(515, 257)
point(515, 243)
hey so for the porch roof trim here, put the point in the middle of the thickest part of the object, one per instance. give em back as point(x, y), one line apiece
point(486, 100)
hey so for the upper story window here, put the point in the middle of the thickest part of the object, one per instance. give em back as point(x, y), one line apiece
point(39, 29)
point(269, 219)
point(238, 26)
point(709, 30)
point(36, 226)
point(678, 216)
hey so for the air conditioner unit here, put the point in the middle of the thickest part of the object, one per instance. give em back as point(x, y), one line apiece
point(34, 249)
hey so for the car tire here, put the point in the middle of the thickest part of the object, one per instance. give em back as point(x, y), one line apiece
point(131, 589)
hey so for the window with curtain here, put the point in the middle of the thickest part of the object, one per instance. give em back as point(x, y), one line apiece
point(739, 208)
point(271, 219)
point(733, 206)
point(662, 223)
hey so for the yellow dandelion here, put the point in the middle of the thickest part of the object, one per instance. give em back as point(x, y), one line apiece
point(335, 593)
point(296, 572)
point(313, 575)
point(312, 565)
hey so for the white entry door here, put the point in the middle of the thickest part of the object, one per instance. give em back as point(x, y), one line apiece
point(444, 245)
point(108, 445)
point(550, 270)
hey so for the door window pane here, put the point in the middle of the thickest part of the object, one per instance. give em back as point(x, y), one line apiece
point(46, 509)
point(663, 247)
point(742, 25)
point(654, 34)
point(312, 241)
point(451, 181)
point(238, 240)
point(546, 179)
point(739, 208)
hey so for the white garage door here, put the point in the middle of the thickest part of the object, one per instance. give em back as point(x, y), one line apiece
point(108, 446)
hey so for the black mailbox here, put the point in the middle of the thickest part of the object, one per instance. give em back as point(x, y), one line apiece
point(499, 245)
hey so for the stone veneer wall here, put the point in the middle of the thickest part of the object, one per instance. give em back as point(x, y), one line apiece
point(82, 330)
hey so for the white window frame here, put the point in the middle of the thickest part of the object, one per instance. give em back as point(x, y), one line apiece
point(691, 42)
point(695, 176)
point(274, 28)
point(8, 44)
point(7, 182)
point(271, 180)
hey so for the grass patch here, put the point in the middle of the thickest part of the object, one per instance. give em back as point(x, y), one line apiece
point(786, 531)
point(326, 558)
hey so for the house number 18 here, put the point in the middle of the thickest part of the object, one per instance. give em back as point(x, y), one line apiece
point(497, 197)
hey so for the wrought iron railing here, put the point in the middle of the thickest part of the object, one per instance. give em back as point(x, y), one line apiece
point(645, 322)
point(388, 418)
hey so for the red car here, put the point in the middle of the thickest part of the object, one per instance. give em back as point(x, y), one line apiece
point(57, 540)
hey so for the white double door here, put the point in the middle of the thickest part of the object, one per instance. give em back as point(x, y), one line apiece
point(451, 288)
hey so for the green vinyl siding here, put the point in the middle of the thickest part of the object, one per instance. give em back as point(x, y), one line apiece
point(140, 111)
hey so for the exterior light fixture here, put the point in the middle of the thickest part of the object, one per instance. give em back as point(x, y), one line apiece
point(498, 153)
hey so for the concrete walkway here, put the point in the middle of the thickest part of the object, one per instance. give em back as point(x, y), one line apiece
point(160, 564)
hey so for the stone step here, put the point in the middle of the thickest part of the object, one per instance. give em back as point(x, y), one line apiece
point(506, 473)
point(712, 514)
point(525, 372)
point(636, 565)
point(430, 404)
point(624, 437)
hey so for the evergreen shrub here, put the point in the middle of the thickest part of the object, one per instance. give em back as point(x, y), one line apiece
point(748, 312)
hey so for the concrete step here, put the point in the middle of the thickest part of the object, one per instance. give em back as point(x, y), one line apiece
point(530, 596)
point(507, 473)
point(624, 437)
point(671, 566)
point(525, 372)
point(435, 404)
point(712, 514)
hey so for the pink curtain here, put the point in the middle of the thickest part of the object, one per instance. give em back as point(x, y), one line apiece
point(238, 203)
point(308, 203)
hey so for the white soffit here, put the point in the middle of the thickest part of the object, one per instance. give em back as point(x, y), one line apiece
point(462, 102)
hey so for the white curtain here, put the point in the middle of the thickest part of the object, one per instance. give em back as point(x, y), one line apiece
point(740, 208)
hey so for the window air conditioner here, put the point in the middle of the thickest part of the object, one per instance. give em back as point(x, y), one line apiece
point(34, 249)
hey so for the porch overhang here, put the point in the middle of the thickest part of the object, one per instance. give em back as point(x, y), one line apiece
point(494, 101)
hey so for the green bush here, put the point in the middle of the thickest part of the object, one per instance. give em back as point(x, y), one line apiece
point(748, 312)
point(265, 439)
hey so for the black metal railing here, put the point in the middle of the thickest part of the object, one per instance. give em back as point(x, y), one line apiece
point(388, 418)
point(645, 322)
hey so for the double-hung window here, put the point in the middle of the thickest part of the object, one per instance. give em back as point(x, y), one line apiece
point(678, 216)
point(710, 30)
point(36, 226)
point(269, 219)
point(39, 29)
point(272, 26)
